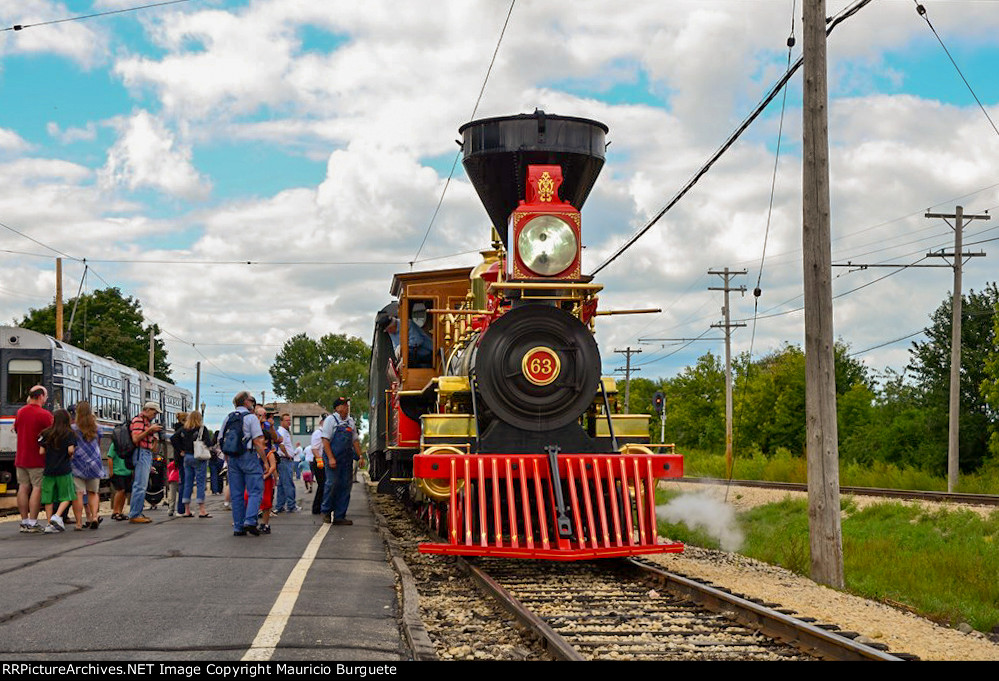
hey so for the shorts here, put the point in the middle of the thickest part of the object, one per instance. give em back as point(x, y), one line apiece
point(58, 488)
point(89, 485)
point(307, 476)
point(122, 483)
point(32, 477)
point(267, 500)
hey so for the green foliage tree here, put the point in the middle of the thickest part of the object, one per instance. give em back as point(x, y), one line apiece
point(695, 404)
point(990, 386)
point(107, 324)
point(930, 368)
point(336, 365)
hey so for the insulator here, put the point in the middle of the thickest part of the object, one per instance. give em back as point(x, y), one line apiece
point(757, 292)
point(790, 41)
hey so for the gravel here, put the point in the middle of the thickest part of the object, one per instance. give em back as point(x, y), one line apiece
point(461, 622)
point(901, 631)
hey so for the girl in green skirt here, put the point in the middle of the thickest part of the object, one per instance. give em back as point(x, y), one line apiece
point(57, 444)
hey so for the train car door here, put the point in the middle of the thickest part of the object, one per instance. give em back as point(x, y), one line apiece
point(85, 383)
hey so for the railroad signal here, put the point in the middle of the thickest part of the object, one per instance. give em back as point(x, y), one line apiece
point(659, 403)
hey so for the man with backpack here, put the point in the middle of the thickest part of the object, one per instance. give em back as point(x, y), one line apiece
point(145, 437)
point(340, 445)
point(240, 435)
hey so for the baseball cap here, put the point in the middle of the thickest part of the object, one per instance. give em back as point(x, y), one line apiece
point(339, 401)
point(152, 405)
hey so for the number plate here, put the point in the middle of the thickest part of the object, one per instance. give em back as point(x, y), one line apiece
point(541, 365)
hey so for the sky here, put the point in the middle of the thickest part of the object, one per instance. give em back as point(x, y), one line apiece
point(317, 138)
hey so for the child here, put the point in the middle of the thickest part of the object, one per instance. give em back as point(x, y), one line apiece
point(307, 478)
point(57, 444)
point(173, 484)
point(121, 483)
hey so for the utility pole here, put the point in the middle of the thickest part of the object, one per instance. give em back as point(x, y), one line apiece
point(953, 428)
point(197, 386)
point(727, 275)
point(58, 300)
point(825, 531)
point(628, 352)
point(152, 352)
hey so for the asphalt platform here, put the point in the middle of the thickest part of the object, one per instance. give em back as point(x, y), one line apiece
point(187, 589)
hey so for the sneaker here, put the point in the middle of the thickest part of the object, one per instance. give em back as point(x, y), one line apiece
point(58, 523)
point(24, 527)
point(251, 529)
point(170, 513)
point(33, 529)
point(327, 518)
point(265, 529)
point(343, 521)
point(226, 504)
point(51, 529)
point(279, 510)
point(139, 519)
point(297, 509)
point(239, 533)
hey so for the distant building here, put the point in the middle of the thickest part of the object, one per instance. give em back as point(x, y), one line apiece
point(304, 417)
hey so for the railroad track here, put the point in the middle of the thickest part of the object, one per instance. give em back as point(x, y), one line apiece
point(628, 609)
point(921, 495)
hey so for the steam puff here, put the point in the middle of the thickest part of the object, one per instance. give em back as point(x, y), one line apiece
point(703, 512)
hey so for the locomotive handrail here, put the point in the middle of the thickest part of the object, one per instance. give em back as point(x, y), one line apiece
point(545, 286)
point(648, 310)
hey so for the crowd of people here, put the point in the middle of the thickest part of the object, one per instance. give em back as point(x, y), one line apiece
point(59, 466)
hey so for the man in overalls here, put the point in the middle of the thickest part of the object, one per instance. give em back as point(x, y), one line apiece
point(340, 445)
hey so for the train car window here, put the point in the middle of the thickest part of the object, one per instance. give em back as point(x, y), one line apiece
point(21, 375)
point(57, 368)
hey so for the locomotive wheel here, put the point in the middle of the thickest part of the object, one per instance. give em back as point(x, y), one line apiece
point(537, 367)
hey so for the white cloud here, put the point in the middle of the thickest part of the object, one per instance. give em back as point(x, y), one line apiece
point(12, 143)
point(87, 133)
point(86, 44)
point(148, 155)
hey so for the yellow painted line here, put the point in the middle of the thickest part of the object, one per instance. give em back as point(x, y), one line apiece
point(269, 636)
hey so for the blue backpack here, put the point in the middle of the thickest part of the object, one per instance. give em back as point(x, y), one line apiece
point(232, 441)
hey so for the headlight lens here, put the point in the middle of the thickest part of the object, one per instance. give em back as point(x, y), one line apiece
point(547, 245)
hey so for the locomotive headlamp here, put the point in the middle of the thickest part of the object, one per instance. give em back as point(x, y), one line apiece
point(547, 245)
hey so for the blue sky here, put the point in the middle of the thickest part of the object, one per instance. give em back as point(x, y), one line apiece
point(286, 130)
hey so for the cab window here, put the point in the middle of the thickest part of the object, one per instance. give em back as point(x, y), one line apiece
point(22, 374)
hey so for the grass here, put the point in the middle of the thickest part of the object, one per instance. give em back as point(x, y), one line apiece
point(944, 564)
point(782, 466)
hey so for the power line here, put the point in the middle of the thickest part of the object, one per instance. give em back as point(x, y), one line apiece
point(21, 27)
point(922, 12)
point(891, 342)
point(458, 155)
point(832, 23)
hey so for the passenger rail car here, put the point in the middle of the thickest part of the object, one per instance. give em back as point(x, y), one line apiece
point(115, 392)
point(488, 408)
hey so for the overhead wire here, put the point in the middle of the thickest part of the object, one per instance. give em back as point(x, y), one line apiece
point(753, 115)
point(454, 164)
point(921, 10)
point(21, 27)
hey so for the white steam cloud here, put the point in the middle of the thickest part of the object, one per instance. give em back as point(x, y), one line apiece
point(703, 512)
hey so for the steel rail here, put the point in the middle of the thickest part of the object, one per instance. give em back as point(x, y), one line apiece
point(809, 638)
point(552, 640)
point(920, 495)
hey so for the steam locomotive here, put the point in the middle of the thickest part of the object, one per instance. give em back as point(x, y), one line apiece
point(488, 408)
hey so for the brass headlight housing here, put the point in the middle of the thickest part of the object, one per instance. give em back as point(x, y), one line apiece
point(547, 245)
